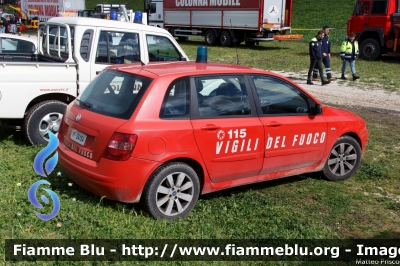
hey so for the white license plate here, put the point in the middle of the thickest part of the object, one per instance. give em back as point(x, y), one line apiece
point(78, 137)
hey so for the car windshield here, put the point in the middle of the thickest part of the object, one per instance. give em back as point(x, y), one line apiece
point(114, 94)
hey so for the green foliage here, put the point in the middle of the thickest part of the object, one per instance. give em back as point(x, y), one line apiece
point(371, 170)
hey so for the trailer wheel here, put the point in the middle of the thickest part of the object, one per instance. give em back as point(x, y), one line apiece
point(42, 117)
point(225, 39)
point(210, 38)
point(370, 49)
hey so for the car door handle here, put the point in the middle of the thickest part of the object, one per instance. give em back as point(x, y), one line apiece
point(273, 124)
point(210, 127)
point(365, 23)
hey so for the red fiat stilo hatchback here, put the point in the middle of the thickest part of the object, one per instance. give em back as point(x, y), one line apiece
point(165, 133)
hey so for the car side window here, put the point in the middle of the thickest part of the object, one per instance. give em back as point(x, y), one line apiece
point(161, 49)
point(176, 102)
point(277, 97)
point(10, 45)
point(117, 48)
point(222, 96)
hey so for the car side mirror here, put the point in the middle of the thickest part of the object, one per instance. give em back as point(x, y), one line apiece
point(316, 109)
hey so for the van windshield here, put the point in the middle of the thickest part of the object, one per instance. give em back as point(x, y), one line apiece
point(114, 94)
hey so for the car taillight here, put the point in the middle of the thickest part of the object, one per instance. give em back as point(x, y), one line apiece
point(120, 147)
point(62, 125)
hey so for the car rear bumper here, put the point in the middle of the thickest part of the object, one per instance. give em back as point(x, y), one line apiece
point(116, 180)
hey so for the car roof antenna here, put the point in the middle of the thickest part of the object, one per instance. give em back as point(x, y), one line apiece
point(237, 55)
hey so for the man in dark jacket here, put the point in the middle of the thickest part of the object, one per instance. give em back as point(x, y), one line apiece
point(315, 49)
point(326, 56)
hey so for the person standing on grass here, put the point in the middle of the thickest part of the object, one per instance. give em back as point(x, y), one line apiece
point(12, 23)
point(326, 56)
point(2, 29)
point(315, 50)
point(349, 54)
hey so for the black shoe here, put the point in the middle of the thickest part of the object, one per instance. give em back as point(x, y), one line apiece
point(309, 82)
point(343, 77)
point(355, 77)
point(324, 82)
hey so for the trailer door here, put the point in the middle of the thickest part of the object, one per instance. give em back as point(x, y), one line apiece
point(273, 14)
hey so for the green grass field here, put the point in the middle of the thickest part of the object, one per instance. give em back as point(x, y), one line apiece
point(299, 207)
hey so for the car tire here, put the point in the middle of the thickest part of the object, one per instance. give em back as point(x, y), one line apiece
point(343, 160)
point(42, 117)
point(225, 38)
point(370, 49)
point(171, 191)
point(210, 38)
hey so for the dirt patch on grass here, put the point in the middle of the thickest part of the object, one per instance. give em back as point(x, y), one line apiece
point(350, 93)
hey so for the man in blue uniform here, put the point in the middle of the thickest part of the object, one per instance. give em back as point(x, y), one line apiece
point(315, 50)
point(326, 56)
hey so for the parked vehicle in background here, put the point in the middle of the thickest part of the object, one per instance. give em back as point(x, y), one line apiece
point(30, 18)
point(223, 22)
point(51, 9)
point(377, 25)
point(11, 44)
point(72, 52)
point(195, 128)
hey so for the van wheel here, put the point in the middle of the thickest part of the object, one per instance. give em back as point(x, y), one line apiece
point(344, 159)
point(172, 191)
point(42, 117)
point(370, 49)
point(225, 38)
point(210, 38)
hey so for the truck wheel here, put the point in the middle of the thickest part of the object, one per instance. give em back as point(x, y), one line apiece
point(370, 49)
point(210, 38)
point(42, 117)
point(344, 159)
point(172, 191)
point(225, 38)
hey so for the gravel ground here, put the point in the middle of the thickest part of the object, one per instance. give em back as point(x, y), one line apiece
point(350, 93)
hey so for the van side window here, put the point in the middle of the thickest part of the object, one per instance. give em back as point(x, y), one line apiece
point(161, 49)
point(117, 48)
point(177, 100)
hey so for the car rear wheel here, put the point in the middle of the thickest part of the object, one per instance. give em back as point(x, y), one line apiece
point(344, 159)
point(172, 191)
point(41, 118)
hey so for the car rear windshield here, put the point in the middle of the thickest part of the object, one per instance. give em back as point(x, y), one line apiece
point(114, 94)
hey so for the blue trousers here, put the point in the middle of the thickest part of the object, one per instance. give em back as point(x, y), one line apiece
point(327, 63)
point(352, 66)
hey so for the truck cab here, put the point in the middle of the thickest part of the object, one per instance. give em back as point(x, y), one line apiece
point(376, 24)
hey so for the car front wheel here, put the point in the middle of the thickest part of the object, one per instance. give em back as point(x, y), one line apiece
point(172, 191)
point(344, 159)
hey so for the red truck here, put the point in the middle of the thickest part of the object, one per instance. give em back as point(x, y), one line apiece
point(377, 25)
point(223, 22)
